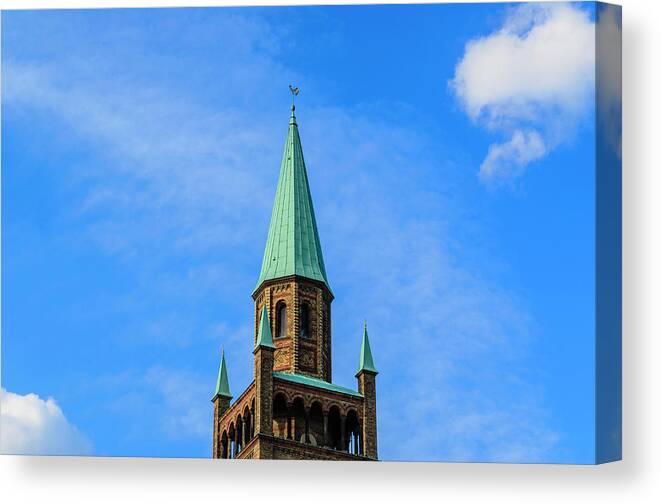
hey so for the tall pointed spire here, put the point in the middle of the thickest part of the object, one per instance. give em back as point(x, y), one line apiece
point(222, 383)
point(293, 246)
point(264, 336)
point(366, 361)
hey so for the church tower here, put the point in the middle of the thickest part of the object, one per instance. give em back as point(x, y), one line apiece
point(292, 410)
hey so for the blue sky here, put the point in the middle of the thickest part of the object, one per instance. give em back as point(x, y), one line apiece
point(140, 157)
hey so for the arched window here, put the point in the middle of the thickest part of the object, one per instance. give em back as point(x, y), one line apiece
point(334, 433)
point(281, 320)
point(224, 451)
point(352, 441)
point(232, 442)
point(281, 417)
point(316, 425)
point(239, 435)
point(299, 421)
point(304, 320)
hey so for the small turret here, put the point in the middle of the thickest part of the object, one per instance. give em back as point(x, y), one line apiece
point(221, 401)
point(367, 387)
point(222, 383)
point(264, 360)
point(366, 362)
point(264, 335)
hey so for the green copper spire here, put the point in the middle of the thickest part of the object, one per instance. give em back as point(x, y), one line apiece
point(264, 337)
point(222, 384)
point(293, 246)
point(366, 361)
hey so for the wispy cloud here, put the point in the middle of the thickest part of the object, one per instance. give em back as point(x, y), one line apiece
point(159, 401)
point(30, 425)
point(532, 80)
point(170, 154)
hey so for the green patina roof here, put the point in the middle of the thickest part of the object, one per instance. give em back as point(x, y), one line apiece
point(366, 361)
point(222, 384)
point(264, 336)
point(293, 246)
point(314, 382)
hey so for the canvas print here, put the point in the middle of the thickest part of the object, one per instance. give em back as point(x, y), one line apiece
point(428, 270)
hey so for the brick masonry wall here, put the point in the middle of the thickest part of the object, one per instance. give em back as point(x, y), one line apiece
point(367, 387)
point(269, 445)
point(263, 390)
point(310, 356)
point(294, 354)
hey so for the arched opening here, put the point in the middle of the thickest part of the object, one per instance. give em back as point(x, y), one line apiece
point(352, 430)
point(304, 321)
point(247, 425)
point(280, 417)
point(298, 420)
point(239, 434)
point(281, 320)
point(224, 452)
point(252, 415)
point(316, 425)
point(334, 428)
point(232, 442)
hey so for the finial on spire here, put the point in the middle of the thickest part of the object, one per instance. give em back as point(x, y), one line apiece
point(294, 94)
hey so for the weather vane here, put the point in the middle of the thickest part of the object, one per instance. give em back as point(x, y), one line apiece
point(294, 93)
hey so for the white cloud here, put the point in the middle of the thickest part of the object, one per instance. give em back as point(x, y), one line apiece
point(535, 73)
point(508, 159)
point(31, 426)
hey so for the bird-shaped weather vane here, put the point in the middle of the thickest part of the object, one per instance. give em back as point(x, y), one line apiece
point(294, 94)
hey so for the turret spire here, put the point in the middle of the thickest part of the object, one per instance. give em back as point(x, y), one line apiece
point(293, 246)
point(366, 362)
point(222, 383)
point(264, 336)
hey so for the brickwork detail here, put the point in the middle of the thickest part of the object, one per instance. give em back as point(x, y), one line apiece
point(304, 346)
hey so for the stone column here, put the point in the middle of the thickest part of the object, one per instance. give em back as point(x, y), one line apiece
point(343, 433)
point(289, 426)
point(325, 439)
point(307, 425)
point(359, 439)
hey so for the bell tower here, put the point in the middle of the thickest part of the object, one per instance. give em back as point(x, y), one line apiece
point(292, 283)
point(292, 409)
